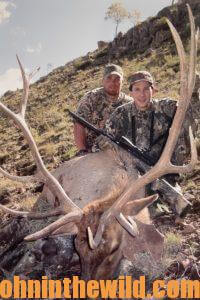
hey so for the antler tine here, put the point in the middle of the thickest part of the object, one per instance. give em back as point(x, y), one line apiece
point(26, 82)
point(164, 165)
point(14, 212)
point(193, 53)
point(126, 224)
point(19, 178)
point(94, 242)
point(73, 216)
point(185, 92)
point(182, 57)
point(42, 174)
point(21, 69)
point(33, 215)
point(193, 160)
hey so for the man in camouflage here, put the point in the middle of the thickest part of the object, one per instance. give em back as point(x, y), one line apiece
point(146, 122)
point(97, 105)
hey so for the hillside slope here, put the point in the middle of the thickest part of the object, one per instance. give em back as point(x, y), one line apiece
point(63, 87)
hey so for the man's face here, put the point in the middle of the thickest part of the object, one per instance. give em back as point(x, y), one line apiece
point(142, 93)
point(112, 84)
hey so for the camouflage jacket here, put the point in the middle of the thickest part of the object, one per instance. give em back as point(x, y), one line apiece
point(96, 107)
point(148, 130)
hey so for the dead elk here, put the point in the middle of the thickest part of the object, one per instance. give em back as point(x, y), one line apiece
point(106, 179)
point(102, 202)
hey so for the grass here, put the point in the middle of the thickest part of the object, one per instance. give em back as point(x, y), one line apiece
point(172, 245)
point(9, 184)
point(28, 202)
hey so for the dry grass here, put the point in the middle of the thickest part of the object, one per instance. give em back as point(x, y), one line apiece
point(28, 202)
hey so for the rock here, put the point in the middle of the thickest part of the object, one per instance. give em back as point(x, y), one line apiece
point(154, 31)
point(102, 44)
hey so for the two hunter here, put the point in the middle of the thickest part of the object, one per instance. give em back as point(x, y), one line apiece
point(141, 120)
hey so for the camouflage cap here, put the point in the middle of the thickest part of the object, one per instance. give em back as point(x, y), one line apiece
point(141, 76)
point(113, 69)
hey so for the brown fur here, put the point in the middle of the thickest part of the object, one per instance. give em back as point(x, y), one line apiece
point(94, 182)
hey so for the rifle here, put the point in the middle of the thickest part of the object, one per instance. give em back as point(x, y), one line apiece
point(124, 142)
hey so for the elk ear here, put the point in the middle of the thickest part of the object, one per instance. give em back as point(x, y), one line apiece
point(135, 206)
point(149, 240)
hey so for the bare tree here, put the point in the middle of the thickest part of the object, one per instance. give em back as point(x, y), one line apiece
point(117, 13)
point(135, 17)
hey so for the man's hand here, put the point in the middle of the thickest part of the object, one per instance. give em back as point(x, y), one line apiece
point(82, 152)
point(104, 143)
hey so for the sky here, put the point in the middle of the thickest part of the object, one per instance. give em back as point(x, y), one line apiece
point(50, 33)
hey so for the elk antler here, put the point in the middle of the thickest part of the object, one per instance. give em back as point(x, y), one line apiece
point(164, 165)
point(67, 207)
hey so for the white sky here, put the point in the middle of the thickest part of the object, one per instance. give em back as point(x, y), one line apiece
point(49, 33)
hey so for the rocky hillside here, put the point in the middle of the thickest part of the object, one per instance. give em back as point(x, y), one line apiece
point(152, 33)
point(146, 46)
